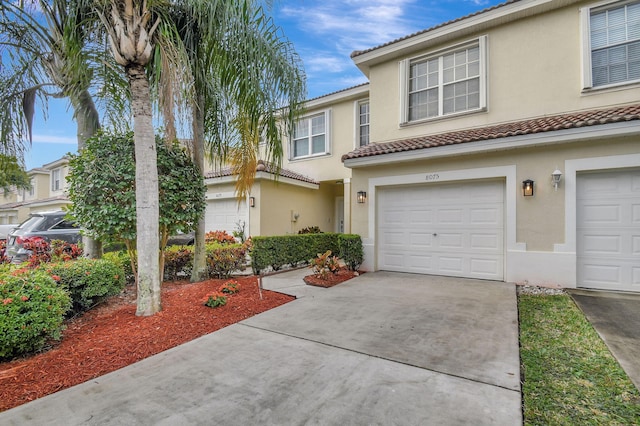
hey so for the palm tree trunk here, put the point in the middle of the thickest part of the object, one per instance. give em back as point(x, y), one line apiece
point(199, 271)
point(147, 198)
point(88, 123)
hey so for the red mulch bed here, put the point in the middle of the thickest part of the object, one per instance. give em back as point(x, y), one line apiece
point(110, 336)
point(332, 279)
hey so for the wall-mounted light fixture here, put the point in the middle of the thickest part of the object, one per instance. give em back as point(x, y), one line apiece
point(555, 178)
point(361, 197)
point(527, 188)
point(252, 201)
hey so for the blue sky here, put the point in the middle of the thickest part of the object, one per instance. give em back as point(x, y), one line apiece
point(324, 34)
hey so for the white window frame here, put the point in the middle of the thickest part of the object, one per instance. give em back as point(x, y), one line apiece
point(56, 184)
point(327, 136)
point(358, 125)
point(585, 23)
point(405, 68)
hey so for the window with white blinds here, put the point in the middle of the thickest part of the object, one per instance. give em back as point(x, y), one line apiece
point(445, 83)
point(310, 136)
point(614, 33)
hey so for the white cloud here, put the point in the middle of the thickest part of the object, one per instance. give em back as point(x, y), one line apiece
point(358, 24)
point(55, 139)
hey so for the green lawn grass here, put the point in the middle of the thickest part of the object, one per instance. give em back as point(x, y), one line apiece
point(569, 375)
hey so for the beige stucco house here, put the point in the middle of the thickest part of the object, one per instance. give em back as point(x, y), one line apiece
point(47, 193)
point(467, 114)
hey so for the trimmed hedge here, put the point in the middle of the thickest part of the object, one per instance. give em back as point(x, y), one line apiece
point(32, 310)
point(351, 251)
point(89, 281)
point(278, 251)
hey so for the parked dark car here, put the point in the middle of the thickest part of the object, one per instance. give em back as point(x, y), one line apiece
point(47, 225)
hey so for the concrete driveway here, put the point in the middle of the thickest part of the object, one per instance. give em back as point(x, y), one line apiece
point(616, 318)
point(384, 348)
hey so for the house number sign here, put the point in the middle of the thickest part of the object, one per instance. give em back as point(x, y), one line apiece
point(432, 177)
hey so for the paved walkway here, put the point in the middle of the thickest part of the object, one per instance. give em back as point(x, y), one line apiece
point(616, 318)
point(381, 349)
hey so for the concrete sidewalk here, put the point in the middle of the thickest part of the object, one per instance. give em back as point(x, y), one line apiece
point(383, 348)
point(616, 318)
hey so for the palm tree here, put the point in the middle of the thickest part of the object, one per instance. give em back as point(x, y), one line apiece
point(244, 75)
point(136, 28)
point(47, 54)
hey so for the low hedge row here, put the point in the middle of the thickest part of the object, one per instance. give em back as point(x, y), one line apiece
point(278, 251)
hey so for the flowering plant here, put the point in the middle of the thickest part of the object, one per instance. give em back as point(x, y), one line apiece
point(230, 287)
point(221, 237)
point(325, 264)
point(215, 299)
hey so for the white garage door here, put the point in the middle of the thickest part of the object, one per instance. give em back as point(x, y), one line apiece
point(608, 230)
point(444, 229)
point(224, 214)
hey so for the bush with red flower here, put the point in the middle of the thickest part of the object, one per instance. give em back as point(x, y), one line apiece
point(32, 310)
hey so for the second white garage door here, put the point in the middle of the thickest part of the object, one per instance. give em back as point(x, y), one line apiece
point(224, 214)
point(608, 230)
point(442, 229)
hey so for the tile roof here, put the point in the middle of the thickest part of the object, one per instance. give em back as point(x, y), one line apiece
point(444, 24)
point(516, 128)
point(264, 167)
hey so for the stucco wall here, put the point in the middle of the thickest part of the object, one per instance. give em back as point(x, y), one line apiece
point(540, 222)
point(342, 140)
point(534, 68)
point(279, 202)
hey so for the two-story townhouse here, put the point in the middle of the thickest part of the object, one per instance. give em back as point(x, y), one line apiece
point(506, 146)
point(312, 182)
point(47, 192)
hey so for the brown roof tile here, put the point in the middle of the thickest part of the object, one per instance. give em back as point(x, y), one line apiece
point(268, 168)
point(516, 128)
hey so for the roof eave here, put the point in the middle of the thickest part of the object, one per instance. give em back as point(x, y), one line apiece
point(455, 30)
point(622, 129)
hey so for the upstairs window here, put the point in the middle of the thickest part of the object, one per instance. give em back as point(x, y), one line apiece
point(445, 83)
point(363, 123)
point(310, 136)
point(56, 177)
point(614, 44)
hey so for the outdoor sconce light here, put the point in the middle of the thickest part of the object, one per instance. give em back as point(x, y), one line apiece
point(361, 197)
point(527, 188)
point(252, 201)
point(555, 178)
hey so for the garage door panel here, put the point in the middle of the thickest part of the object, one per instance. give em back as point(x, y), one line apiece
point(450, 216)
point(608, 219)
point(600, 244)
point(485, 216)
point(448, 229)
point(421, 239)
point(486, 242)
point(488, 267)
point(602, 214)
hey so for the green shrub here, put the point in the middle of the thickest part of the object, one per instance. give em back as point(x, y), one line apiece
point(215, 299)
point(223, 260)
point(178, 261)
point(89, 281)
point(122, 259)
point(276, 252)
point(32, 309)
point(351, 251)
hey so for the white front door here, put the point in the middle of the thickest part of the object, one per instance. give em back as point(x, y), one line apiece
point(608, 230)
point(453, 229)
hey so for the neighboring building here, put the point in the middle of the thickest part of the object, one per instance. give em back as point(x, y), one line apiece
point(47, 193)
point(465, 114)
